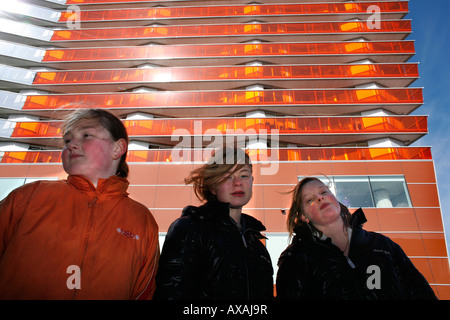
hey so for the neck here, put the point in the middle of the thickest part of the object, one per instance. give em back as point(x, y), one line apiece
point(338, 235)
point(235, 214)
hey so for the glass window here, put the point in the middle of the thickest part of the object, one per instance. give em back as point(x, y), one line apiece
point(353, 191)
point(369, 192)
point(390, 191)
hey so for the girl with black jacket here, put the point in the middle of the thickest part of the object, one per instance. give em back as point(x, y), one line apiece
point(332, 257)
point(214, 251)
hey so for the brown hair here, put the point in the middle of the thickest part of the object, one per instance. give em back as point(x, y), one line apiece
point(110, 122)
point(296, 210)
point(212, 174)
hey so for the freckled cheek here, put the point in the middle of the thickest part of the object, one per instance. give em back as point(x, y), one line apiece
point(99, 159)
point(97, 150)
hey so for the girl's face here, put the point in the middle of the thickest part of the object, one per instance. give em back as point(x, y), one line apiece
point(319, 204)
point(237, 188)
point(90, 151)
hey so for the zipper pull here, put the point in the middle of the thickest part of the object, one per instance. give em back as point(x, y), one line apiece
point(92, 203)
point(351, 263)
point(243, 240)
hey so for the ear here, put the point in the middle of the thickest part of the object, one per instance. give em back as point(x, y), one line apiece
point(120, 147)
point(304, 219)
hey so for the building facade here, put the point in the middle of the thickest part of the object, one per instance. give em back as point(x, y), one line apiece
point(313, 87)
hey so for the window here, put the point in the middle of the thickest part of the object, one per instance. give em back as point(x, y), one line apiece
point(369, 191)
point(353, 191)
point(390, 191)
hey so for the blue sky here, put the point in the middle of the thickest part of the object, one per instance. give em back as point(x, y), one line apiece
point(431, 35)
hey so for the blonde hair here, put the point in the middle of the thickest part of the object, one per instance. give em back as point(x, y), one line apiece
point(212, 174)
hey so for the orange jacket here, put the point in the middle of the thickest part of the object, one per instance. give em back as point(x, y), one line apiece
point(56, 236)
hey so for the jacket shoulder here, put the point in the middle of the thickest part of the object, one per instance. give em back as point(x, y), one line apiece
point(184, 225)
point(28, 190)
point(212, 210)
point(295, 251)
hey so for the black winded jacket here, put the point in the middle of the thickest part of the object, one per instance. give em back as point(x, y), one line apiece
point(207, 256)
point(311, 268)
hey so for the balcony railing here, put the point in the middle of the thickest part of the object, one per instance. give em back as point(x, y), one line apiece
point(225, 98)
point(228, 50)
point(227, 73)
point(234, 11)
point(193, 155)
point(221, 30)
point(285, 126)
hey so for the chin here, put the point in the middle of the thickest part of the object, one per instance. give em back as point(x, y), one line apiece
point(238, 205)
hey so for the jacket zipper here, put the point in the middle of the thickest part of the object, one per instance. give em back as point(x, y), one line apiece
point(91, 204)
point(246, 262)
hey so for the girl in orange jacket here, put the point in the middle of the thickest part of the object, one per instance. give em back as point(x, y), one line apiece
point(80, 238)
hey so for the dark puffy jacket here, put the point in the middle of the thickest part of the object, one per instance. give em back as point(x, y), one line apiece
point(311, 268)
point(207, 256)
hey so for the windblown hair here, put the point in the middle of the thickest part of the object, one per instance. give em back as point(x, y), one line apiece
point(296, 210)
point(107, 120)
point(224, 162)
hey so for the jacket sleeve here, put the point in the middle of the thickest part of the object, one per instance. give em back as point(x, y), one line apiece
point(290, 276)
point(12, 209)
point(178, 273)
point(414, 283)
point(146, 283)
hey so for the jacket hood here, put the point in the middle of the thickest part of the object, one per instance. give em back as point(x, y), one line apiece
point(221, 211)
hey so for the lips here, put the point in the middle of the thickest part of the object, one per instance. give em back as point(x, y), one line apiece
point(75, 156)
point(238, 194)
point(324, 205)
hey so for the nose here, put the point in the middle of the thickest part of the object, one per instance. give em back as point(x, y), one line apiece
point(237, 180)
point(73, 144)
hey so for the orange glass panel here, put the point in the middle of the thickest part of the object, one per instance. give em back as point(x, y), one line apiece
point(227, 98)
point(229, 30)
point(31, 157)
point(227, 50)
point(160, 75)
point(233, 11)
point(285, 126)
point(37, 129)
point(189, 155)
